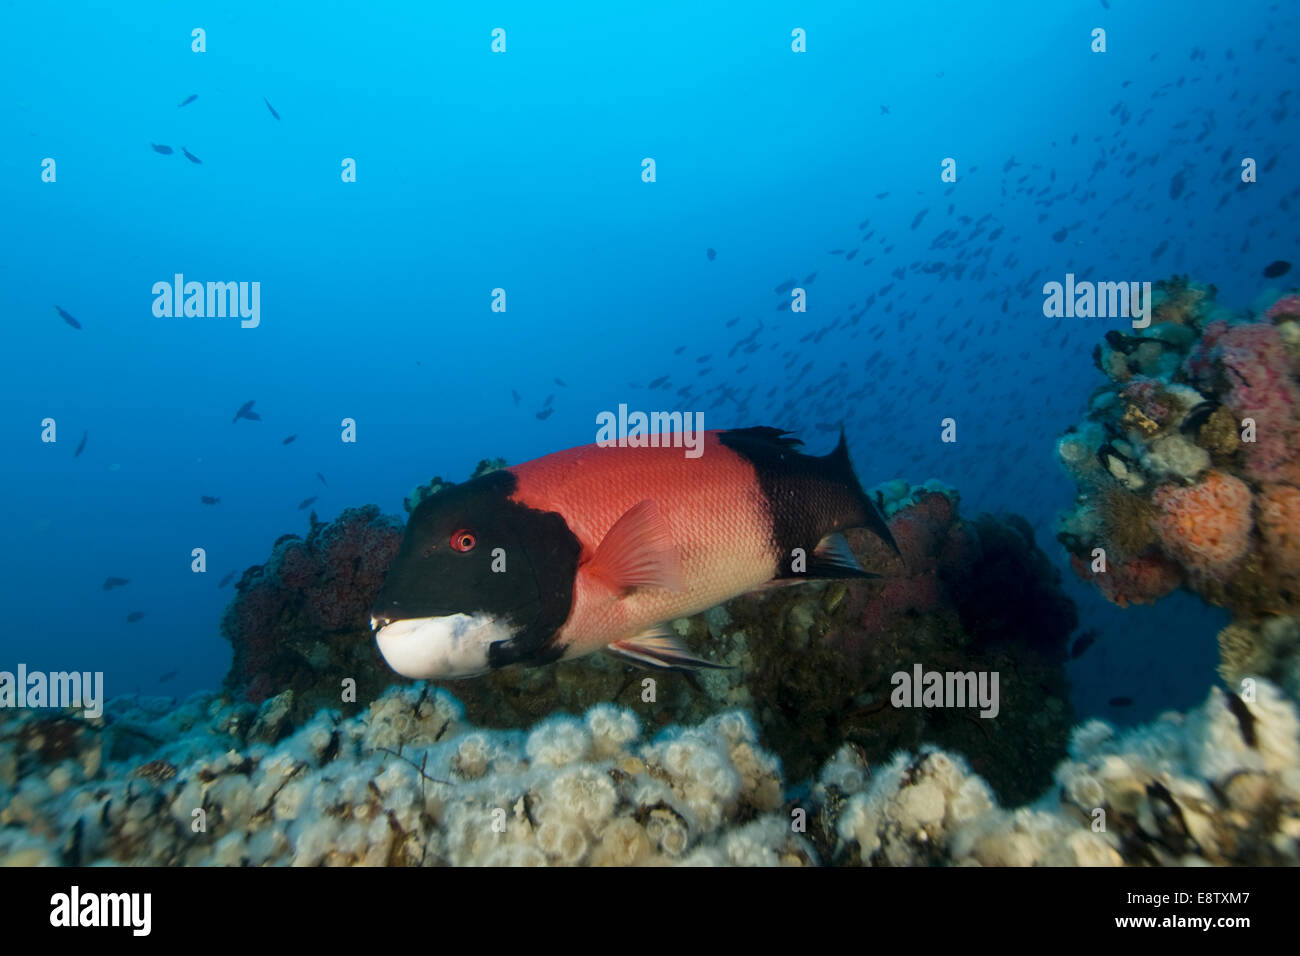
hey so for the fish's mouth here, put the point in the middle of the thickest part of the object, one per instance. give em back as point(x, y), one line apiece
point(436, 647)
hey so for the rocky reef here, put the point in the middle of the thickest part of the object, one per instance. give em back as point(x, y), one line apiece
point(406, 782)
point(1188, 469)
point(813, 663)
point(410, 782)
point(1220, 785)
point(300, 621)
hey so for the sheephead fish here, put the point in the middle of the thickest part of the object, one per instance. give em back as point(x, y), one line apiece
point(596, 548)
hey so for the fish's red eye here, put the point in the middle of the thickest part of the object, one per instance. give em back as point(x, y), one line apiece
point(462, 540)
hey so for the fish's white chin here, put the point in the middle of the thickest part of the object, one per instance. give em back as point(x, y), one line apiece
point(434, 647)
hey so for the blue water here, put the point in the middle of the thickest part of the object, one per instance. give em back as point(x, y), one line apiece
point(522, 171)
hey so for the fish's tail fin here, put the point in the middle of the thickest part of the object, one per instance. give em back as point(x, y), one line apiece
point(839, 463)
point(812, 499)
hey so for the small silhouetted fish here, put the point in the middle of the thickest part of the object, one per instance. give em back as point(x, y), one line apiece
point(1197, 417)
point(288, 440)
point(306, 503)
point(1128, 344)
point(883, 109)
point(549, 398)
point(110, 583)
point(246, 411)
point(1245, 719)
point(188, 100)
point(560, 382)
point(785, 286)
point(711, 253)
point(1275, 269)
point(322, 479)
point(134, 616)
point(208, 499)
point(515, 396)
point(226, 580)
point(544, 414)
point(1082, 643)
point(67, 318)
point(168, 676)
point(191, 157)
point(165, 150)
point(1121, 702)
point(82, 446)
point(1177, 184)
point(271, 108)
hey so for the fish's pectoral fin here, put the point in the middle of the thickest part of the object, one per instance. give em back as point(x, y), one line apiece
point(661, 649)
point(833, 558)
point(638, 552)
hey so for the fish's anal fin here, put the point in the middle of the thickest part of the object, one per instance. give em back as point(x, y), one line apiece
point(833, 558)
point(661, 649)
point(638, 552)
point(775, 583)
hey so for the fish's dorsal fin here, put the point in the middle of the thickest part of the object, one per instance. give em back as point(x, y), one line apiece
point(763, 436)
point(638, 552)
point(659, 648)
point(833, 558)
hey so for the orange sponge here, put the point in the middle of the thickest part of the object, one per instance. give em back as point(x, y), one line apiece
point(1278, 507)
point(1205, 527)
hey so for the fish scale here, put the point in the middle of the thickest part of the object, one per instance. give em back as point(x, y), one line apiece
point(713, 506)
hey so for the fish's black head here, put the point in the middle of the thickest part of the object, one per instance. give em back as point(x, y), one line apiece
point(469, 550)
